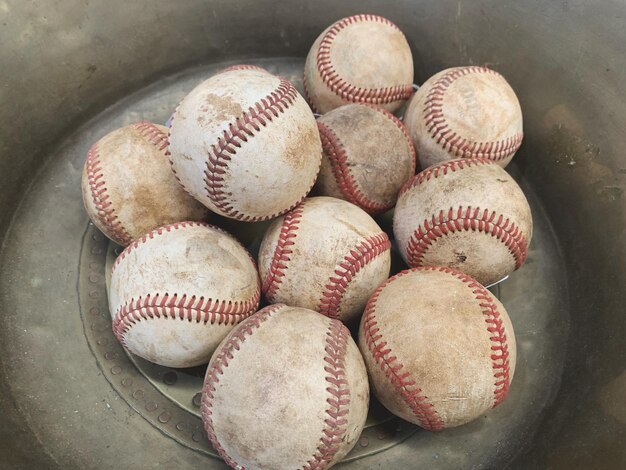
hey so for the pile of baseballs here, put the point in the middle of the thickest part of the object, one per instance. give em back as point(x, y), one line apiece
point(287, 386)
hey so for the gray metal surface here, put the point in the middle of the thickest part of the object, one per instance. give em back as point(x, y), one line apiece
point(63, 62)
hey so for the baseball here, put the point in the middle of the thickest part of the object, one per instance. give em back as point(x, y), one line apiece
point(359, 59)
point(467, 214)
point(128, 186)
point(465, 112)
point(286, 389)
point(245, 144)
point(439, 349)
point(367, 156)
point(179, 290)
point(243, 67)
point(326, 255)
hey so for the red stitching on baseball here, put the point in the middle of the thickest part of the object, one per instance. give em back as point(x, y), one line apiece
point(412, 395)
point(449, 140)
point(190, 308)
point(101, 199)
point(500, 355)
point(219, 362)
point(238, 132)
point(243, 67)
point(333, 150)
point(166, 229)
point(338, 85)
point(347, 268)
point(465, 219)
point(153, 134)
point(282, 252)
point(336, 422)
point(442, 169)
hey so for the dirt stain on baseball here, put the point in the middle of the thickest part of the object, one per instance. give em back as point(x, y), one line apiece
point(223, 108)
point(146, 204)
point(294, 154)
point(460, 257)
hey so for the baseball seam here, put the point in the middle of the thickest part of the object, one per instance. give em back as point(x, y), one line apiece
point(465, 219)
point(441, 132)
point(221, 360)
point(341, 87)
point(337, 156)
point(101, 198)
point(243, 67)
point(282, 252)
point(189, 308)
point(500, 348)
point(336, 422)
point(152, 134)
point(391, 366)
point(347, 268)
point(442, 169)
point(237, 133)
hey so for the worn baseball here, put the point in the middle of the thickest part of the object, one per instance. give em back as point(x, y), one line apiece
point(465, 112)
point(243, 67)
point(128, 185)
point(438, 347)
point(327, 255)
point(467, 214)
point(179, 290)
point(286, 389)
point(245, 144)
point(367, 156)
point(359, 59)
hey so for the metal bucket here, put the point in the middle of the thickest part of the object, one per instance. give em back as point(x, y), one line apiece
point(71, 70)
